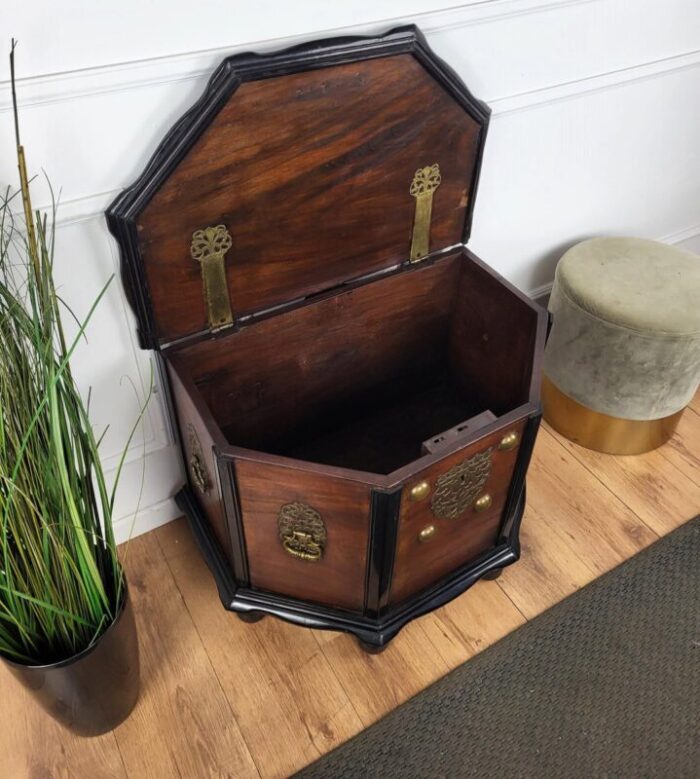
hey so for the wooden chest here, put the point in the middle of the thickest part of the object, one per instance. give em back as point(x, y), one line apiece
point(357, 394)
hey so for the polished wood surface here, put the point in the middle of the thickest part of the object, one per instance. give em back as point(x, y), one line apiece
point(338, 578)
point(195, 433)
point(310, 172)
point(361, 378)
point(223, 698)
point(315, 366)
point(492, 340)
point(419, 564)
point(314, 404)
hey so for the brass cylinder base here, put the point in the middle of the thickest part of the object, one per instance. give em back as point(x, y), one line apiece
point(603, 433)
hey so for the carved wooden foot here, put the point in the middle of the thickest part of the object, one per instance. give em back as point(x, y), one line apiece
point(371, 649)
point(250, 616)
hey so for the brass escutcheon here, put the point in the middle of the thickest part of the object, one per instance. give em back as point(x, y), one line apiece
point(198, 471)
point(509, 441)
point(302, 532)
point(457, 488)
point(420, 491)
point(427, 533)
point(483, 503)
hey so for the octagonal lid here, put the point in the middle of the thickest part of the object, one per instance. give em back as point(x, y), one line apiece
point(297, 172)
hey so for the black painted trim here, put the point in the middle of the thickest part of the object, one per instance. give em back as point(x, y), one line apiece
point(477, 109)
point(233, 71)
point(208, 546)
point(510, 526)
point(383, 531)
point(234, 522)
point(376, 632)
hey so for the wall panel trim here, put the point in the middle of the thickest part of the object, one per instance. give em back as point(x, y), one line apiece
point(188, 66)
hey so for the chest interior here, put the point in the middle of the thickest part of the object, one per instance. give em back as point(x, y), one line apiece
point(374, 376)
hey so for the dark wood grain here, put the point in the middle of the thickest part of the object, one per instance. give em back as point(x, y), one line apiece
point(310, 173)
point(188, 414)
point(457, 541)
point(313, 367)
point(348, 373)
point(492, 341)
point(338, 578)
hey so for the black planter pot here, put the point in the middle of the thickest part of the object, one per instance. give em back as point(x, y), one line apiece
point(93, 691)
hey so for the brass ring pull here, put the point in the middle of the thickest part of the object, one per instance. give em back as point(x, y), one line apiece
point(198, 471)
point(302, 532)
point(302, 545)
point(199, 474)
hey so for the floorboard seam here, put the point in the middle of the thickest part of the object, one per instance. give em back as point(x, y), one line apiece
point(206, 652)
point(663, 451)
point(607, 488)
point(340, 681)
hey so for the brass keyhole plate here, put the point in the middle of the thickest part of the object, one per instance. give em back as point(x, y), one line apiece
point(457, 489)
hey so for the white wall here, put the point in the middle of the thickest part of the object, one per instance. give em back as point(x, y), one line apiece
point(595, 130)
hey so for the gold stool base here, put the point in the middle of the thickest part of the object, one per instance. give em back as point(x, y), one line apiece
point(601, 432)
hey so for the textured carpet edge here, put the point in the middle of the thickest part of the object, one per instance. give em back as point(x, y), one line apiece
point(326, 764)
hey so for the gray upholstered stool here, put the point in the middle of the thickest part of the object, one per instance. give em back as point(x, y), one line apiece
point(623, 356)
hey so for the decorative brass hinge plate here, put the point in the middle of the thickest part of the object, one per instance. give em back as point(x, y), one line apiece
point(302, 532)
point(425, 182)
point(209, 247)
point(457, 489)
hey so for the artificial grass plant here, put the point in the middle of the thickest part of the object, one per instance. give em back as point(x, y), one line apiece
point(61, 583)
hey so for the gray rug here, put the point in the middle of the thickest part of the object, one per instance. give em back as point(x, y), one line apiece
point(605, 684)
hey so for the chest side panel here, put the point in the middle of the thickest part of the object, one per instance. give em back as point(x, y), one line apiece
point(447, 527)
point(310, 173)
point(280, 373)
point(306, 534)
point(200, 460)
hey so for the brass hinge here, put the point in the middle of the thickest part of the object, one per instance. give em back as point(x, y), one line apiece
point(209, 247)
point(425, 182)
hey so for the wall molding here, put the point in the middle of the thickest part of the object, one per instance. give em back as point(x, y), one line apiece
point(69, 85)
point(565, 90)
point(93, 206)
point(145, 519)
point(680, 236)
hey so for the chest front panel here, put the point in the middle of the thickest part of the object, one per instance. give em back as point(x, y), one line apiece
point(458, 511)
point(306, 534)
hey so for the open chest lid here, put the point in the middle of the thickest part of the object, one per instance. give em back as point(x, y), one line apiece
point(296, 172)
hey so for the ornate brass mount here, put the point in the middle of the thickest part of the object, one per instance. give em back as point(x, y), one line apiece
point(208, 248)
point(457, 489)
point(425, 182)
point(302, 532)
point(198, 471)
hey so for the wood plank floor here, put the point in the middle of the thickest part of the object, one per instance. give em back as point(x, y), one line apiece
point(222, 698)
